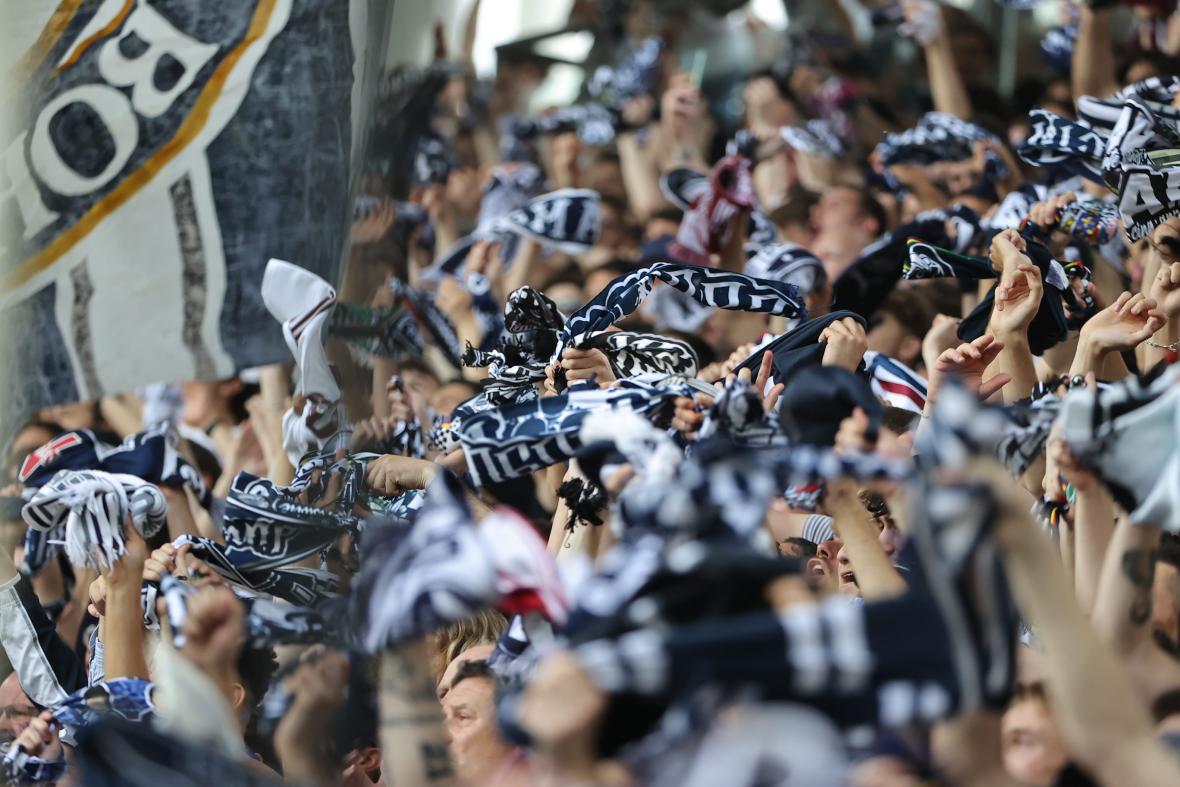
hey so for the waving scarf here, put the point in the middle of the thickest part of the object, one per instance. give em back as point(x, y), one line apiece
point(88, 508)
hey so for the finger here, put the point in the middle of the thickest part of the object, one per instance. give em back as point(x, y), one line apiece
point(764, 369)
point(771, 400)
point(989, 387)
point(1119, 302)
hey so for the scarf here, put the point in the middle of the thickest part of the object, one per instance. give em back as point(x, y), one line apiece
point(389, 332)
point(1063, 144)
point(1129, 434)
point(895, 383)
point(150, 455)
point(709, 222)
point(88, 508)
point(1139, 171)
point(684, 187)
point(302, 302)
point(1057, 48)
point(938, 136)
point(416, 578)
point(636, 75)
point(305, 586)
point(516, 439)
point(1048, 327)
point(815, 137)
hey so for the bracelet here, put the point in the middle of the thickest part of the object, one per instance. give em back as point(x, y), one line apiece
point(1170, 347)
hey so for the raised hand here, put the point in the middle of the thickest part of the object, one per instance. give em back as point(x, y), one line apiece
point(846, 343)
point(968, 362)
point(1018, 295)
point(213, 633)
point(584, 364)
point(392, 475)
point(1165, 290)
point(1123, 325)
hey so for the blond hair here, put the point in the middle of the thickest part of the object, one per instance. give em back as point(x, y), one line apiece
point(483, 628)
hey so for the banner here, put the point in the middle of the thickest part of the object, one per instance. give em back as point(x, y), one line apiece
point(153, 157)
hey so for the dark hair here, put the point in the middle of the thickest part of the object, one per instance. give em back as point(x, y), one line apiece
point(256, 668)
point(796, 210)
point(1022, 692)
point(206, 461)
point(911, 310)
point(869, 206)
point(806, 548)
point(897, 420)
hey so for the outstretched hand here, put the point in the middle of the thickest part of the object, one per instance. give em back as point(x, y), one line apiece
point(968, 362)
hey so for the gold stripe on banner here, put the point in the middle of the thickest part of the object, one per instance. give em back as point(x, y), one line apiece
point(126, 189)
point(106, 30)
point(22, 69)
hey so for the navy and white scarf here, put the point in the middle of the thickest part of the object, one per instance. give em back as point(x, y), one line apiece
point(304, 586)
point(268, 622)
point(517, 439)
point(938, 136)
point(86, 509)
point(636, 75)
point(1060, 143)
point(816, 137)
point(150, 456)
point(416, 578)
point(707, 286)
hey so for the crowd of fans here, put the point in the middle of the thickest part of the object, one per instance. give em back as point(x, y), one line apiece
point(646, 441)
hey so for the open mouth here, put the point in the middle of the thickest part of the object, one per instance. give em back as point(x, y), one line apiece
point(848, 578)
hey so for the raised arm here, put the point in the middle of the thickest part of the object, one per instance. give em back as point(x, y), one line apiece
point(1107, 729)
point(1092, 71)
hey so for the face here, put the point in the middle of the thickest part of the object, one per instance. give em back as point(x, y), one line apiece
point(847, 585)
point(821, 569)
point(477, 748)
point(837, 210)
point(1032, 747)
point(888, 337)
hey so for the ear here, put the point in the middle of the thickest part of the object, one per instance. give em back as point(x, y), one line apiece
point(369, 759)
point(238, 692)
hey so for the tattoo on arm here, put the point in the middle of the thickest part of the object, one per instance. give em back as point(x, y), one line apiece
point(1139, 570)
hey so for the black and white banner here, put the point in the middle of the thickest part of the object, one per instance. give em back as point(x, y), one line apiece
point(155, 156)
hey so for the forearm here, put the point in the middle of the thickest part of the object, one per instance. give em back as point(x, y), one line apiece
point(1101, 718)
point(876, 575)
point(1092, 70)
point(1016, 359)
point(123, 633)
point(411, 722)
point(1122, 606)
point(1093, 525)
point(640, 177)
point(946, 85)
